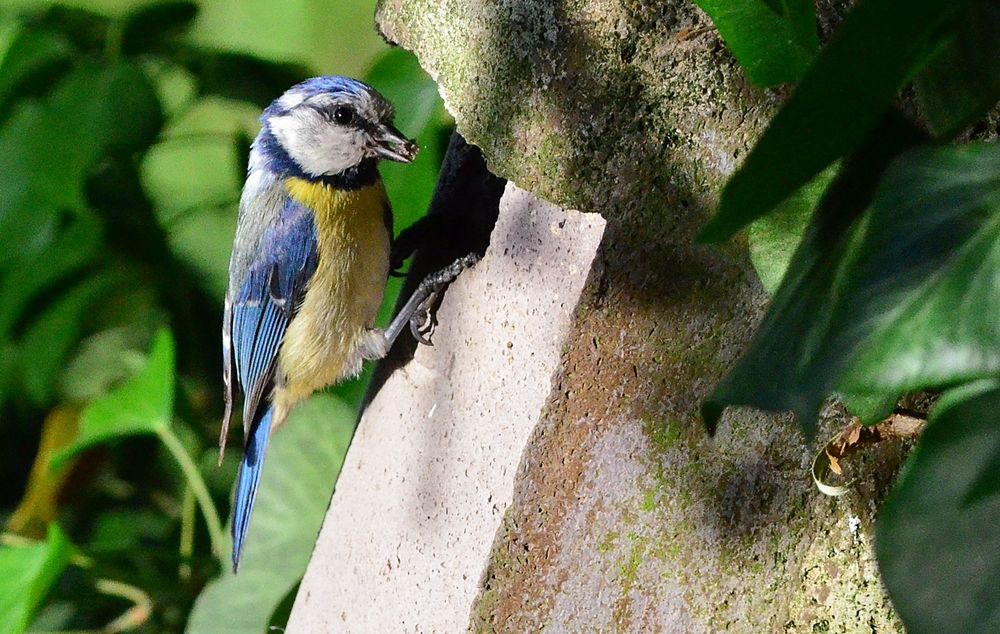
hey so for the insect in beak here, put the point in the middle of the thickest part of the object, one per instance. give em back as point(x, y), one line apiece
point(392, 145)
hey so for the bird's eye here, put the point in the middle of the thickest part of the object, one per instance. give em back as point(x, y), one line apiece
point(343, 115)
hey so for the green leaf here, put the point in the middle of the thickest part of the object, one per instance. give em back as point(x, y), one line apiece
point(937, 534)
point(962, 82)
point(154, 27)
point(328, 37)
point(26, 574)
point(294, 494)
point(142, 405)
point(118, 531)
point(30, 54)
point(791, 363)
point(243, 77)
point(107, 8)
point(89, 31)
point(8, 369)
point(48, 149)
point(199, 215)
point(104, 359)
point(840, 100)
point(397, 75)
point(36, 269)
point(50, 338)
point(869, 408)
point(774, 237)
point(176, 87)
point(774, 40)
point(131, 118)
point(922, 308)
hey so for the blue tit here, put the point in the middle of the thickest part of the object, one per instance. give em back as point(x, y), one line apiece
point(310, 260)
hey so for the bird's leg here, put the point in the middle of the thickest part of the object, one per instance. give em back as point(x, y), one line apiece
point(416, 311)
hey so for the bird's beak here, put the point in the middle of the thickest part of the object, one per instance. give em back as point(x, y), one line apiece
point(392, 145)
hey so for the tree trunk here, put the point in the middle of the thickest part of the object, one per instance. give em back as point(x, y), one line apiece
point(544, 464)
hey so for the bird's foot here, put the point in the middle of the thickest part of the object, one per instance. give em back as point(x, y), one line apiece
point(417, 312)
point(422, 321)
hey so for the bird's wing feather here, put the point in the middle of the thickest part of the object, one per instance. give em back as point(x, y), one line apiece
point(266, 301)
point(268, 297)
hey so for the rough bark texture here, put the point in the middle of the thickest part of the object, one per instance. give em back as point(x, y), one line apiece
point(626, 516)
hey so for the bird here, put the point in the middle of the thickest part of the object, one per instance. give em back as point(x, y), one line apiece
point(310, 259)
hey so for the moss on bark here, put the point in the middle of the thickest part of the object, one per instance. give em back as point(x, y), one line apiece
point(626, 516)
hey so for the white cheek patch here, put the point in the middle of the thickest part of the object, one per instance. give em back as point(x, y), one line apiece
point(317, 145)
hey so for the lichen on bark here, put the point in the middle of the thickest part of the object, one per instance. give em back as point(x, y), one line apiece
point(626, 515)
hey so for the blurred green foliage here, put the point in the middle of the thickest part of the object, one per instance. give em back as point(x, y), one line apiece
point(124, 128)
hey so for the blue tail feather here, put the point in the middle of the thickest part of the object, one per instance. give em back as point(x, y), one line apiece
point(247, 481)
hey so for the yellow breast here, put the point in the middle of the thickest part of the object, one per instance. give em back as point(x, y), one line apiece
point(344, 294)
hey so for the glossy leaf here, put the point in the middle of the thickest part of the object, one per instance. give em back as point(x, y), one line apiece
point(937, 534)
point(774, 238)
point(774, 40)
point(922, 305)
point(26, 574)
point(142, 405)
point(790, 364)
point(294, 493)
point(840, 100)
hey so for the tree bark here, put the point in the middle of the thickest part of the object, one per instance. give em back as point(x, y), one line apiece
point(622, 514)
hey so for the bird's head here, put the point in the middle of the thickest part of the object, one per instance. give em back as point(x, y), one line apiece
point(331, 126)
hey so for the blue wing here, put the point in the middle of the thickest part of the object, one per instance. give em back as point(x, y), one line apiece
point(267, 300)
point(256, 320)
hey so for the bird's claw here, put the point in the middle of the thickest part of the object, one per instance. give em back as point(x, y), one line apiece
point(422, 320)
point(417, 312)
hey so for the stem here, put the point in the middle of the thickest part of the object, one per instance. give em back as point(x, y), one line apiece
point(134, 617)
point(197, 485)
point(187, 533)
point(76, 558)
